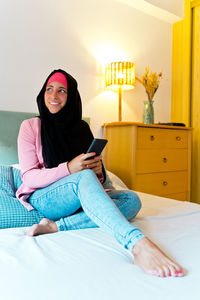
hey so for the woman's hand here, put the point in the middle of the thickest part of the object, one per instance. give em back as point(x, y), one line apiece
point(81, 162)
point(96, 166)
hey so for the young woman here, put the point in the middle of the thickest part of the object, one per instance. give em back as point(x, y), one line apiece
point(66, 185)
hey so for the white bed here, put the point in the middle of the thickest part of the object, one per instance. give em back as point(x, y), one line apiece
point(89, 264)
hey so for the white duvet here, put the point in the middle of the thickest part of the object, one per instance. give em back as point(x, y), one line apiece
point(90, 265)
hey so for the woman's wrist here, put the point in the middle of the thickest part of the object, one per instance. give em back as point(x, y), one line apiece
point(68, 168)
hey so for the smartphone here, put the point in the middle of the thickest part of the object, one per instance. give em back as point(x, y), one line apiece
point(97, 146)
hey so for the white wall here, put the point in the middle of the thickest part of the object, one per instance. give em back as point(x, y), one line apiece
point(78, 36)
point(175, 7)
point(171, 11)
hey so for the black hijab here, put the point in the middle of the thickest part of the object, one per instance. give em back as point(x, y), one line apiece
point(64, 135)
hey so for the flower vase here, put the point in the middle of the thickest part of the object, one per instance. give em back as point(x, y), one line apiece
point(148, 113)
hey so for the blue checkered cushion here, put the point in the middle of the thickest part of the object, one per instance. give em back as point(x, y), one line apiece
point(12, 212)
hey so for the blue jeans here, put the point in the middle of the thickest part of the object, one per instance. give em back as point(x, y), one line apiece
point(108, 210)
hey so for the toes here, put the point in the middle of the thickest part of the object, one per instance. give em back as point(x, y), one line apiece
point(159, 272)
point(167, 271)
point(173, 271)
point(179, 271)
point(153, 272)
point(162, 273)
point(32, 230)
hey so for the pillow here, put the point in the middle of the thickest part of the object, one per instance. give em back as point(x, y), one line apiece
point(114, 182)
point(12, 212)
point(9, 127)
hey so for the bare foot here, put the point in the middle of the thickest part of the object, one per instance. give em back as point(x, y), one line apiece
point(45, 226)
point(153, 261)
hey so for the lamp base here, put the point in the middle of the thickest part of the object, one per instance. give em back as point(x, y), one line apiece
point(120, 104)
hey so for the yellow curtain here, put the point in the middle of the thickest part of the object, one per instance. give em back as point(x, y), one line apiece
point(181, 67)
point(186, 81)
point(195, 104)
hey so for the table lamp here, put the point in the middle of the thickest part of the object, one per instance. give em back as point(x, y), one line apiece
point(120, 75)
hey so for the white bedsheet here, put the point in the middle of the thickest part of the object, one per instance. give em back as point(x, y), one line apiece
point(90, 265)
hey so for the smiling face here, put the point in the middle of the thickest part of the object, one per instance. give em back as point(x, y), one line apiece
point(55, 96)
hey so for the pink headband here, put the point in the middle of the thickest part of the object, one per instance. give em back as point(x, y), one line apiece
point(58, 76)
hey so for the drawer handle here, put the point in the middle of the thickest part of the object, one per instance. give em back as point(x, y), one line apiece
point(165, 183)
point(164, 159)
point(178, 138)
point(152, 137)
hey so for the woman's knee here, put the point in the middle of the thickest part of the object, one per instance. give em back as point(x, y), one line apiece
point(77, 176)
point(86, 178)
point(87, 173)
point(134, 202)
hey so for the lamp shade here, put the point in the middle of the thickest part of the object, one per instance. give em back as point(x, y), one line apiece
point(120, 74)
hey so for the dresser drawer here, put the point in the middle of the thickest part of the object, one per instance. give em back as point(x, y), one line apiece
point(155, 160)
point(178, 196)
point(161, 138)
point(162, 183)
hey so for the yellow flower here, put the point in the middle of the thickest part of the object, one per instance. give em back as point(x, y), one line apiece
point(151, 82)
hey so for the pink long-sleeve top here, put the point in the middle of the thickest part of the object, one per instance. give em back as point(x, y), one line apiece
point(33, 172)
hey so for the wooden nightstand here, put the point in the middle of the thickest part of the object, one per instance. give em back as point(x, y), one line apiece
point(154, 159)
